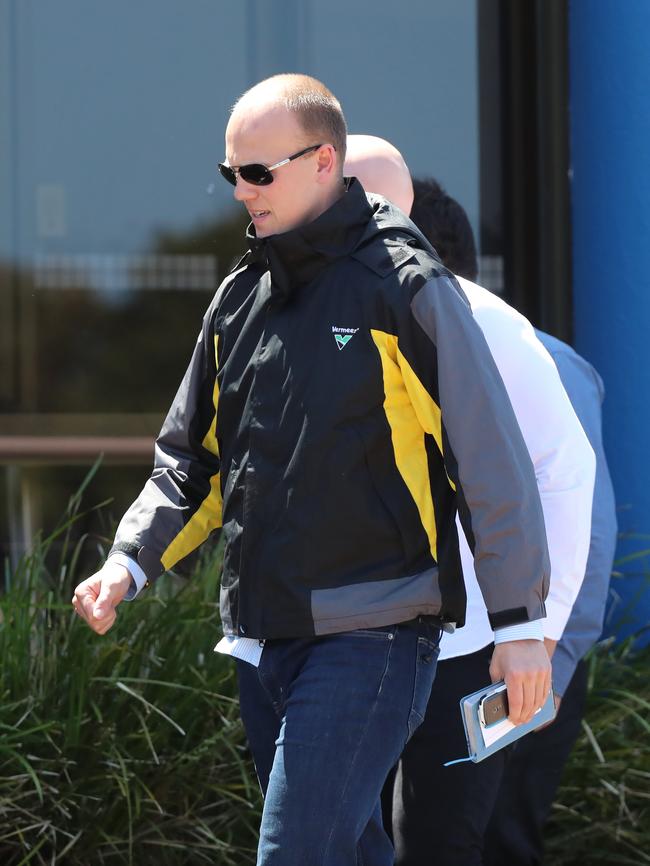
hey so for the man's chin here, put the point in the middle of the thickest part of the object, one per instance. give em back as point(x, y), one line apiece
point(269, 232)
point(264, 231)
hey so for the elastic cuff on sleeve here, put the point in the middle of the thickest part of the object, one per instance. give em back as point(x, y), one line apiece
point(138, 577)
point(522, 631)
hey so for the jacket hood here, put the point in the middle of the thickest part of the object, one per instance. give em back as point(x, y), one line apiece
point(296, 257)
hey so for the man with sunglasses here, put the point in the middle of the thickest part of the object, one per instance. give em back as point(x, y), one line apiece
point(326, 423)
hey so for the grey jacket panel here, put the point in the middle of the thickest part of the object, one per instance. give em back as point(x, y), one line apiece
point(375, 603)
point(492, 462)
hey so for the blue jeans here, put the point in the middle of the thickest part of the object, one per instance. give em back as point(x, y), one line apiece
point(326, 719)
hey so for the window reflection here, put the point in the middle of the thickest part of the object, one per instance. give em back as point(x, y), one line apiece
point(115, 229)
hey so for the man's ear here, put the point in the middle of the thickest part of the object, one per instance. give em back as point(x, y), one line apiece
point(326, 162)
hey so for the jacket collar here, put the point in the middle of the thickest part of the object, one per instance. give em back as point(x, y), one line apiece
point(296, 257)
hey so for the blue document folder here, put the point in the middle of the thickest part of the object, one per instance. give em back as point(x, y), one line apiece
point(484, 736)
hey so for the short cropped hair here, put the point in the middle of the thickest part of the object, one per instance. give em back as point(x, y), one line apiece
point(318, 111)
point(446, 226)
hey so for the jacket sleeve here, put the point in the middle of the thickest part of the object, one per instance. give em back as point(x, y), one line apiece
point(180, 505)
point(484, 453)
point(585, 390)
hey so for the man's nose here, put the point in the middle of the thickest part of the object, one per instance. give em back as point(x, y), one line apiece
point(244, 191)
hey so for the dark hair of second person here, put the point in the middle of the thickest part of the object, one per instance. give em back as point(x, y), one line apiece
point(445, 224)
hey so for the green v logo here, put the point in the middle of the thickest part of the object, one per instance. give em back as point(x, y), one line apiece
point(342, 340)
point(343, 335)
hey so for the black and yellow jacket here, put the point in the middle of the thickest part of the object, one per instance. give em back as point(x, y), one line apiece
point(340, 405)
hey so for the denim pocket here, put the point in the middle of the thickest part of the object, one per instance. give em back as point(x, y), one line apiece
point(425, 671)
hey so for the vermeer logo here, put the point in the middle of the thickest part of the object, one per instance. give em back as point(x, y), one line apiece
point(343, 335)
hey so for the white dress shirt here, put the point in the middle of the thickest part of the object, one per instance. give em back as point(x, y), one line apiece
point(564, 463)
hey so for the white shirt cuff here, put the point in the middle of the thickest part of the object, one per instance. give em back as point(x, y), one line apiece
point(523, 631)
point(138, 577)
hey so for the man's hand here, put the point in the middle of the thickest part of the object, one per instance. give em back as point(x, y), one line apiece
point(96, 598)
point(526, 669)
point(558, 700)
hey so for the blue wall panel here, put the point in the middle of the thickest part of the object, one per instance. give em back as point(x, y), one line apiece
point(610, 152)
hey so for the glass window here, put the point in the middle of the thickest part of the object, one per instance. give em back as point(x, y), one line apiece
point(115, 227)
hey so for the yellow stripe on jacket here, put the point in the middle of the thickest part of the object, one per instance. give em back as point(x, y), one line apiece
point(411, 412)
point(208, 516)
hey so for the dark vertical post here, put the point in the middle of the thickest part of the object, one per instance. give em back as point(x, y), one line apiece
point(536, 163)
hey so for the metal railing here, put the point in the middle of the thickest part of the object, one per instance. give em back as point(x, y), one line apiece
point(75, 449)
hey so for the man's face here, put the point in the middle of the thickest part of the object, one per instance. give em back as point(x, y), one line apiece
point(298, 193)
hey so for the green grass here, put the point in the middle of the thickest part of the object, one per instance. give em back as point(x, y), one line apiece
point(125, 748)
point(128, 749)
point(602, 810)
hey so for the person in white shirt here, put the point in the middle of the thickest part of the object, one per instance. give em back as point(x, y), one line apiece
point(452, 830)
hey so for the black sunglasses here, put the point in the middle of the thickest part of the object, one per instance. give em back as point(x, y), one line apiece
point(256, 173)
